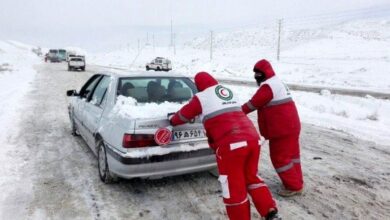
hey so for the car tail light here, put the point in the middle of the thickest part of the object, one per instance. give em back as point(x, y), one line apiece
point(138, 140)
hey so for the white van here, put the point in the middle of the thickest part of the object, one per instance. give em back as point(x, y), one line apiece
point(159, 64)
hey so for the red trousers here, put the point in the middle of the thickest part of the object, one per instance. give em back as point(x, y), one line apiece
point(285, 157)
point(237, 165)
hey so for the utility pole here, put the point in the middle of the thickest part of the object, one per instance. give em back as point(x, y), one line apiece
point(138, 46)
point(211, 45)
point(174, 44)
point(171, 32)
point(280, 30)
point(153, 43)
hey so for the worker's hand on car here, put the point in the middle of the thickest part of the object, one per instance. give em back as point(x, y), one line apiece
point(170, 116)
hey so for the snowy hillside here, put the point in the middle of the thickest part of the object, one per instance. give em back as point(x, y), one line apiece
point(352, 55)
point(348, 55)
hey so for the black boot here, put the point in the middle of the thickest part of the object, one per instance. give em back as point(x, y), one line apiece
point(273, 215)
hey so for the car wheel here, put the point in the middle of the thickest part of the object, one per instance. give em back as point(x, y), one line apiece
point(104, 171)
point(158, 69)
point(147, 68)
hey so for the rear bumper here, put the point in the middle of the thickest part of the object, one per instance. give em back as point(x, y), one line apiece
point(77, 66)
point(159, 166)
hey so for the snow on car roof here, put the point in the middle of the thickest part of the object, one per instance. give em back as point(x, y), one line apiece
point(143, 74)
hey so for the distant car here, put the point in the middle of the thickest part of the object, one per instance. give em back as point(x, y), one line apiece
point(53, 56)
point(119, 142)
point(159, 64)
point(77, 62)
point(70, 54)
point(62, 55)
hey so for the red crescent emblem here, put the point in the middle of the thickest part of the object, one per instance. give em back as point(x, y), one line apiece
point(163, 136)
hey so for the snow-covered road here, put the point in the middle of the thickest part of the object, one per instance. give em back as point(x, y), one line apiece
point(346, 178)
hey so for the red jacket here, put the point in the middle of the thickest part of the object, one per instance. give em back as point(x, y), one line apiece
point(276, 111)
point(221, 115)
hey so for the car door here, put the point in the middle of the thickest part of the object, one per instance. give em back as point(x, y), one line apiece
point(79, 106)
point(94, 108)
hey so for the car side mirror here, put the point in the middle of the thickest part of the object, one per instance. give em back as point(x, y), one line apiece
point(71, 93)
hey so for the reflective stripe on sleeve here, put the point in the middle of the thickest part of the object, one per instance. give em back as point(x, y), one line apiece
point(297, 160)
point(285, 168)
point(279, 102)
point(225, 110)
point(183, 118)
point(239, 203)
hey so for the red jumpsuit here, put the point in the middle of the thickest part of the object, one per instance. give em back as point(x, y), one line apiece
point(279, 123)
point(236, 143)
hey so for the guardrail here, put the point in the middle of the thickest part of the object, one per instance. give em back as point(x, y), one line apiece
point(317, 89)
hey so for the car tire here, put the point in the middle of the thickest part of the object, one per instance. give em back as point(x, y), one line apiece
point(83, 69)
point(147, 68)
point(103, 169)
point(158, 69)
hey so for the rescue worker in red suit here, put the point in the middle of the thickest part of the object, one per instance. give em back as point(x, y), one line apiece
point(279, 123)
point(236, 144)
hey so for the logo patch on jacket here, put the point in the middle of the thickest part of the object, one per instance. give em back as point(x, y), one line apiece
point(223, 93)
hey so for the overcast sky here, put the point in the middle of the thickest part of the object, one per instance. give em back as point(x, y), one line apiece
point(42, 20)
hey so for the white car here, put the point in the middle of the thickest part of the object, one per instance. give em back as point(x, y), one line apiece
point(77, 62)
point(106, 113)
point(159, 64)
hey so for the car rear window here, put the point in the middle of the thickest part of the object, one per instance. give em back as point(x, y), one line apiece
point(76, 59)
point(157, 89)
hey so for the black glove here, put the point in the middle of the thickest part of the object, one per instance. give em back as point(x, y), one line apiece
point(170, 116)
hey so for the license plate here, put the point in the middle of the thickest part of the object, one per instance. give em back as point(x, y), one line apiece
point(187, 134)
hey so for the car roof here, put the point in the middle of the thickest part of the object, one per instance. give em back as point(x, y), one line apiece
point(141, 73)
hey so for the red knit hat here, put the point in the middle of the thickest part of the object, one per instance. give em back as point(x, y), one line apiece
point(265, 67)
point(204, 80)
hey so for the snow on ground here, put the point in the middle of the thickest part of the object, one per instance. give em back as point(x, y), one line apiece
point(60, 178)
point(16, 75)
point(352, 55)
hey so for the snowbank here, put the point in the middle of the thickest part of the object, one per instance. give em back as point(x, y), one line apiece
point(16, 75)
